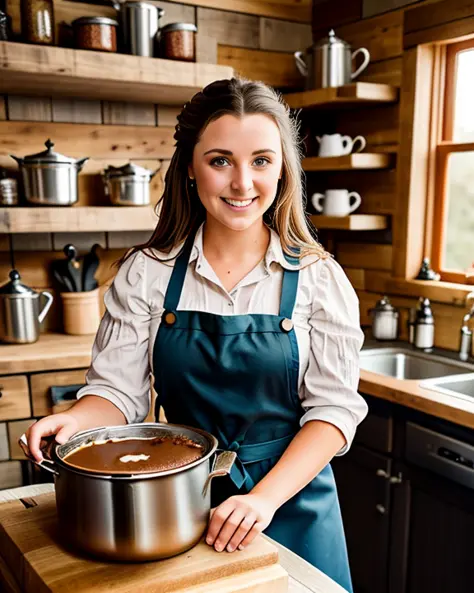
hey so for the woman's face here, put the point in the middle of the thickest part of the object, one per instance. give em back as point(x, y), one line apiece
point(236, 164)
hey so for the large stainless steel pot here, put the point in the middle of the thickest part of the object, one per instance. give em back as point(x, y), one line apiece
point(330, 63)
point(135, 517)
point(50, 178)
point(140, 23)
point(128, 185)
point(20, 314)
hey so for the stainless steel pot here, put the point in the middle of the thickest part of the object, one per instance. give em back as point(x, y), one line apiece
point(135, 517)
point(140, 25)
point(128, 185)
point(20, 314)
point(50, 178)
point(331, 63)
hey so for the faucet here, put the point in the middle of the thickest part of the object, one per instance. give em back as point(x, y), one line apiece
point(465, 343)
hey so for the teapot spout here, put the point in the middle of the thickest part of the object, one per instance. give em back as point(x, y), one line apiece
point(80, 163)
point(18, 159)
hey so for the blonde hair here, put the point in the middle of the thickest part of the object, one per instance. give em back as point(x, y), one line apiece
point(180, 209)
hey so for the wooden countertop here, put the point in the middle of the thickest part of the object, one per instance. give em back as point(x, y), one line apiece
point(61, 351)
point(303, 577)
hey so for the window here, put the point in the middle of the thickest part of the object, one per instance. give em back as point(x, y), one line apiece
point(453, 228)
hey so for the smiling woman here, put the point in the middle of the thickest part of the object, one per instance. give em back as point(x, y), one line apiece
point(250, 328)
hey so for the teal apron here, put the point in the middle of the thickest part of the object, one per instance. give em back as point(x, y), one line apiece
point(236, 376)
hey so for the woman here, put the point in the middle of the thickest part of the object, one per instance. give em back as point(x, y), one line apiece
point(250, 328)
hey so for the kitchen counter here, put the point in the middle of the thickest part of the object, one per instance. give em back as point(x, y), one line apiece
point(303, 577)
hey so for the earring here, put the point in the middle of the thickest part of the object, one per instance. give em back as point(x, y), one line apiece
point(191, 182)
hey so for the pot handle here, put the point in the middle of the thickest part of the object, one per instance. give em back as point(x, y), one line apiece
point(42, 464)
point(222, 465)
point(48, 304)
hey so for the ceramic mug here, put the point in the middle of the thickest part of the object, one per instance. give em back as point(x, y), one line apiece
point(337, 145)
point(337, 202)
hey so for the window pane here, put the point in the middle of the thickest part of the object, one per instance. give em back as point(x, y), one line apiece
point(459, 248)
point(463, 130)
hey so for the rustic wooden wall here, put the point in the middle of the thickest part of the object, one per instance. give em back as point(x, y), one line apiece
point(368, 257)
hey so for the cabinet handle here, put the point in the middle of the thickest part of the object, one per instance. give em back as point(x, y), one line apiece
point(381, 473)
point(396, 479)
point(380, 509)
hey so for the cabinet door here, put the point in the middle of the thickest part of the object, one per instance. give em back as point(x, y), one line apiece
point(439, 549)
point(364, 494)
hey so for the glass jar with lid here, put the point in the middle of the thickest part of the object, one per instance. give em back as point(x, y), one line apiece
point(178, 42)
point(37, 21)
point(97, 33)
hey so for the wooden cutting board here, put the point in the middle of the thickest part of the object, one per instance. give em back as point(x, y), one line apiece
point(30, 547)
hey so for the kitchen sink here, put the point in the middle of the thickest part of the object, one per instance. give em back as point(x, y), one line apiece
point(458, 385)
point(405, 364)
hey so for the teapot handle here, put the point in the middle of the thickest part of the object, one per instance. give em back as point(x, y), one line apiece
point(364, 64)
point(48, 304)
point(300, 63)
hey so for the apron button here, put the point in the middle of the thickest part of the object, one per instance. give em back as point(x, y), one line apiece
point(170, 318)
point(286, 324)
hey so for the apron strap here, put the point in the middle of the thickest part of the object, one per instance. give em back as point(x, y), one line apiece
point(175, 285)
point(289, 289)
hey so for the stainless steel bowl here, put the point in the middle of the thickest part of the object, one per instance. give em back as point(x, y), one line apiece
point(135, 517)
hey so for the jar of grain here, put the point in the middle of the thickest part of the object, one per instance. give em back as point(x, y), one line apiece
point(178, 41)
point(95, 32)
point(37, 21)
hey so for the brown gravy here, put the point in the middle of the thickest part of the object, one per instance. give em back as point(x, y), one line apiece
point(135, 456)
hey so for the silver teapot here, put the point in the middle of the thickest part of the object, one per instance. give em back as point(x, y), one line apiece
point(20, 313)
point(328, 63)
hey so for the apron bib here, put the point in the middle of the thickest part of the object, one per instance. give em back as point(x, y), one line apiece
point(236, 376)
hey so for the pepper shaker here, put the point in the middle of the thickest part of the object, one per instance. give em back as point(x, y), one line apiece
point(424, 326)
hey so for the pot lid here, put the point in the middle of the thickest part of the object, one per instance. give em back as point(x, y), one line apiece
point(94, 20)
point(128, 169)
point(179, 27)
point(15, 287)
point(331, 40)
point(48, 156)
point(384, 304)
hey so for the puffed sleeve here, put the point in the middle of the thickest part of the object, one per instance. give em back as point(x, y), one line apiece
point(120, 368)
point(332, 377)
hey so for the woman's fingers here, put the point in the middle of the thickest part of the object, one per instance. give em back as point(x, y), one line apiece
point(228, 529)
point(242, 531)
point(218, 518)
point(257, 528)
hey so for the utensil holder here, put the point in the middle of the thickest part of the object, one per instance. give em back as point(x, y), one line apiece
point(81, 312)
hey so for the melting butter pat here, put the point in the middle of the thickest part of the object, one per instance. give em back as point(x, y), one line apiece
point(141, 457)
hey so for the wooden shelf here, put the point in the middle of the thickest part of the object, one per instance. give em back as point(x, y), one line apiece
point(356, 94)
point(364, 160)
point(354, 222)
point(39, 70)
point(76, 219)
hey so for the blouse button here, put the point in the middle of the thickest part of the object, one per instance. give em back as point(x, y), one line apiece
point(170, 318)
point(286, 324)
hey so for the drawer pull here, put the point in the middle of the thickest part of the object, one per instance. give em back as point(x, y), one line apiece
point(381, 473)
point(380, 509)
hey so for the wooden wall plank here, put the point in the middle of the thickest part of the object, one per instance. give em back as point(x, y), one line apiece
point(22, 108)
point(32, 241)
point(176, 13)
point(125, 240)
point(356, 277)
point(429, 16)
point(130, 114)
point(365, 255)
point(291, 10)
point(328, 14)
point(81, 241)
point(274, 68)
point(81, 140)
point(375, 7)
point(381, 35)
point(284, 36)
point(385, 72)
point(229, 28)
point(206, 49)
point(379, 125)
point(78, 111)
point(449, 32)
point(167, 114)
point(3, 108)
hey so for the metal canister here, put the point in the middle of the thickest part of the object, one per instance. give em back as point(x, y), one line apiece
point(8, 189)
point(384, 320)
point(128, 185)
point(140, 24)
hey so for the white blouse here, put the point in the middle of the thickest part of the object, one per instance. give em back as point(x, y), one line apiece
point(326, 321)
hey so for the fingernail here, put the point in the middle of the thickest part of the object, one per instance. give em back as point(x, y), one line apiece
point(241, 547)
point(230, 549)
point(209, 541)
point(219, 548)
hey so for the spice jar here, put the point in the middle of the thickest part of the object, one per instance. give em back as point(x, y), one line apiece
point(8, 189)
point(3, 26)
point(95, 32)
point(178, 41)
point(37, 21)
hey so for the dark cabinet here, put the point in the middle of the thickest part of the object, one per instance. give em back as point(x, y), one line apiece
point(364, 495)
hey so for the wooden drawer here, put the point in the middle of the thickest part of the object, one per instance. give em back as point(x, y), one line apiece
point(376, 431)
point(40, 386)
point(14, 399)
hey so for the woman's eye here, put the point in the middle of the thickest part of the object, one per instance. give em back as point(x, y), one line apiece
point(220, 161)
point(263, 160)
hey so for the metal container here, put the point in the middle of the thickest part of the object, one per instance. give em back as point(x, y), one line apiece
point(140, 24)
point(137, 517)
point(20, 314)
point(50, 178)
point(331, 62)
point(8, 189)
point(424, 325)
point(128, 185)
point(384, 320)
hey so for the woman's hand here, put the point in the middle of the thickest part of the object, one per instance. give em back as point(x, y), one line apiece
point(62, 425)
point(238, 520)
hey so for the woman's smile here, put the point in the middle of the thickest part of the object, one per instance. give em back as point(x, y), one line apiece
point(239, 204)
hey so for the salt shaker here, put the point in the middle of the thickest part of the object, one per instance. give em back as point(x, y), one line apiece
point(384, 320)
point(424, 325)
